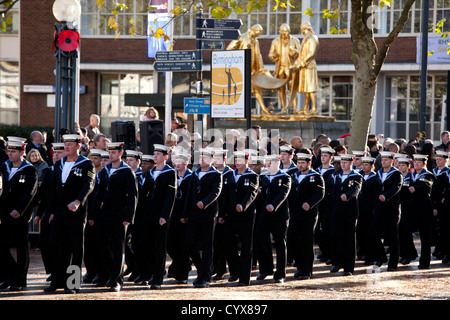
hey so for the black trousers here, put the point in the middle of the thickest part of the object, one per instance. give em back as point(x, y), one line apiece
point(155, 245)
point(405, 236)
point(90, 250)
point(67, 239)
point(239, 232)
point(343, 239)
point(423, 221)
point(362, 232)
point(45, 246)
point(301, 231)
point(178, 250)
point(278, 229)
point(200, 237)
point(14, 270)
point(219, 255)
point(111, 250)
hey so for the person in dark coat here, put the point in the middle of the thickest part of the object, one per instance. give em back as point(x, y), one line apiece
point(200, 213)
point(344, 193)
point(146, 185)
point(176, 242)
point(422, 207)
point(325, 169)
point(438, 195)
point(307, 190)
point(73, 181)
point(274, 221)
point(384, 224)
point(42, 216)
point(157, 215)
point(407, 249)
point(219, 255)
point(239, 217)
point(366, 201)
point(19, 187)
point(116, 204)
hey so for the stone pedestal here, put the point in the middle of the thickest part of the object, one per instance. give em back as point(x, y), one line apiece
point(289, 126)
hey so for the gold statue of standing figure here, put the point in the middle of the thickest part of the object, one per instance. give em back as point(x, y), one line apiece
point(248, 40)
point(283, 51)
point(304, 70)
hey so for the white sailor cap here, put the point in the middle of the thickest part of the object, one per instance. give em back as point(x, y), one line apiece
point(133, 153)
point(161, 148)
point(60, 146)
point(304, 156)
point(370, 160)
point(442, 154)
point(17, 139)
point(256, 159)
point(386, 154)
point(114, 145)
point(251, 152)
point(207, 152)
point(147, 158)
point(182, 154)
point(346, 157)
point(72, 138)
point(422, 157)
point(337, 159)
point(358, 153)
point(220, 152)
point(241, 155)
point(327, 150)
point(404, 160)
point(96, 152)
point(272, 157)
point(104, 154)
point(16, 145)
point(287, 148)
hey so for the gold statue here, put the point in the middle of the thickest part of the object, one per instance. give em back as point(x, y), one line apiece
point(283, 51)
point(249, 40)
point(304, 71)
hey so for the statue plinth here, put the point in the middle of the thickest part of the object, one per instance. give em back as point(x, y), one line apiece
point(291, 117)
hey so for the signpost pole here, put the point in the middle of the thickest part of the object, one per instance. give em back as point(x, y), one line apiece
point(198, 48)
point(169, 75)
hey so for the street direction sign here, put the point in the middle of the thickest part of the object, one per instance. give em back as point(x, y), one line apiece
point(180, 55)
point(177, 66)
point(233, 24)
point(213, 44)
point(197, 105)
point(214, 34)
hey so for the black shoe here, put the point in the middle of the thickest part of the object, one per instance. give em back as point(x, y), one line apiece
point(242, 284)
point(182, 281)
point(5, 284)
point(329, 262)
point(446, 259)
point(201, 284)
point(127, 271)
point(87, 278)
point(279, 280)
point(305, 277)
point(155, 287)
point(49, 278)
point(95, 280)
point(378, 263)
point(71, 291)
point(297, 274)
point(115, 288)
point(218, 277)
point(421, 266)
point(348, 273)
point(51, 288)
point(335, 269)
point(133, 276)
point(233, 278)
point(139, 279)
point(405, 261)
point(392, 269)
point(262, 276)
point(16, 288)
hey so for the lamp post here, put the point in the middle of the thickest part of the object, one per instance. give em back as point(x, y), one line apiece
point(66, 43)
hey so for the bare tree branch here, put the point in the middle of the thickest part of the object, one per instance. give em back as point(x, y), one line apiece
point(6, 5)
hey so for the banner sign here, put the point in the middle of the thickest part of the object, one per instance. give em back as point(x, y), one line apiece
point(158, 17)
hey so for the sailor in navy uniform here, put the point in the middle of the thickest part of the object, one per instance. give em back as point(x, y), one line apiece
point(240, 219)
point(407, 249)
point(343, 217)
point(422, 207)
point(219, 254)
point(438, 192)
point(146, 185)
point(325, 169)
point(115, 203)
point(308, 190)
point(42, 216)
point(200, 213)
point(357, 160)
point(158, 213)
point(366, 201)
point(176, 242)
point(274, 220)
point(73, 181)
point(385, 220)
point(133, 160)
point(19, 184)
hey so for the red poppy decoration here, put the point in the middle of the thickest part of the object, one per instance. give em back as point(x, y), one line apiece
point(68, 40)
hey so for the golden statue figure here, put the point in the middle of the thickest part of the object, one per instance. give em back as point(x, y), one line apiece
point(283, 51)
point(249, 40)
point(305, 79)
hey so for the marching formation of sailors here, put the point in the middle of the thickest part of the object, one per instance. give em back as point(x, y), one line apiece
point(118, 208)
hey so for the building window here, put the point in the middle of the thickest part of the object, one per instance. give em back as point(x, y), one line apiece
point(402, 106)
point(9, 92)
point(113, 88)
point(335, 97)
point(9, 22)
